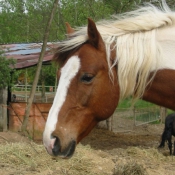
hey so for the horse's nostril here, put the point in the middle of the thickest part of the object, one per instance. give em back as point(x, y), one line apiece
point(56, 147)
point(66, 151)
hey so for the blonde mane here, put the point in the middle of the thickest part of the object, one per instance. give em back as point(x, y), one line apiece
point(133, 35)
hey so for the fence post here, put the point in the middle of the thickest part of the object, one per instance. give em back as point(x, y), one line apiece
point(163, 113)
point(1, 117)
point(134, 112)
point(3, 109)
point(109, 122)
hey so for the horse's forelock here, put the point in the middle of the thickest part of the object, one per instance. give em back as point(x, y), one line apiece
point(61, 55)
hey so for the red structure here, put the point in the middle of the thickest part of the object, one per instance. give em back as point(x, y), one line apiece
point(27, 55)
point(37, 118)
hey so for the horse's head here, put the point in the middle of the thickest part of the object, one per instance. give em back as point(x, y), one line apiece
point(86, 95)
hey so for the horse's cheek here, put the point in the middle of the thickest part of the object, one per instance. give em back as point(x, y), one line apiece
point(105, 102)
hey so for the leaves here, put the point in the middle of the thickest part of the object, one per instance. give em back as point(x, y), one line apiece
point(5, 70)
point(24, 21)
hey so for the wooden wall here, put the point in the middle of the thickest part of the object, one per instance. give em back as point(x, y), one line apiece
point(37, 118)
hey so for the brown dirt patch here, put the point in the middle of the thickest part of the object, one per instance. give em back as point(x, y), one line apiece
point(6, 137)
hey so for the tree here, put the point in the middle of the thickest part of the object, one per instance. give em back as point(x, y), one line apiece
point(120, 6)
point(48, 73)
point(5, 80)
point(39, 65)
point(5, 70)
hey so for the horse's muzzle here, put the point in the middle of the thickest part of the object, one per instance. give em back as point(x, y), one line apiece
point(67, 152)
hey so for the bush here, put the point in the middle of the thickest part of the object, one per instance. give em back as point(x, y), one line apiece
point(5, 70)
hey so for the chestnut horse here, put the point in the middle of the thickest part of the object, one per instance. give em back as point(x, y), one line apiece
point(131, 55)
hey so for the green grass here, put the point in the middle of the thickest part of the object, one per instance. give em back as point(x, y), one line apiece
point(169, 111)
point(145, 111)
point(127, 103)
point(156, 122)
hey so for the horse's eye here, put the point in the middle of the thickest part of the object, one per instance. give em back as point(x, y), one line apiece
point(87, 78)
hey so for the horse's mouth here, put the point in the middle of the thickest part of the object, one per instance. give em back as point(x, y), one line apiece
point(67, 152)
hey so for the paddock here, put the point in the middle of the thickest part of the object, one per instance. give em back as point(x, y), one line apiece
point(101, 153)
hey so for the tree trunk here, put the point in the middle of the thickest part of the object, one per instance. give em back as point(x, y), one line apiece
point(26, 85)
point(39, 65)
point(43, 94)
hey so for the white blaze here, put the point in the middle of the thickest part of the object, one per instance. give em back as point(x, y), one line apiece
point(68, 72)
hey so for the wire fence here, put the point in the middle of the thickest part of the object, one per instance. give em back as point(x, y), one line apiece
point(125, 119)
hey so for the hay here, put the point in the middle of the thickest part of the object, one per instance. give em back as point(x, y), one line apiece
point(130, 168)
point(26, 158)
point(141, 161)
point(33, 157)
point(152, 154)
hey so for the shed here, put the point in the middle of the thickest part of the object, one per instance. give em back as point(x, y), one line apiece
point(26, 55)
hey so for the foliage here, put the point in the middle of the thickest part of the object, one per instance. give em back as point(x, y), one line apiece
point(76, 12)
point(24, 21)
point(120, 6)
point(48, 73)
point(5, 70)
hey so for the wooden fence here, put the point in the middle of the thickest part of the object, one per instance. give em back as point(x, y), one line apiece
point(121, 121)
point(37, 118)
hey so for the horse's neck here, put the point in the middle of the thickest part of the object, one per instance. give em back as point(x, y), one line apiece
point(161, 90)
point(166, 40)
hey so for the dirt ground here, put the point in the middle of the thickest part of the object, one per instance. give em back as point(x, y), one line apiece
point(122, 147)
point(146, 136)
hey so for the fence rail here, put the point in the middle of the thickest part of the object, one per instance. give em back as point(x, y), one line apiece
point(146, 115)
point(39, 88)
point(48, 98)
point(20, 93)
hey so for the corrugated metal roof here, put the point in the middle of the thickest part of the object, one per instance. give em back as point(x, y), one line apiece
point(27, 55)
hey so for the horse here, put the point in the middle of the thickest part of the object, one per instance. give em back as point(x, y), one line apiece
point(133, 54)
point(169, 130)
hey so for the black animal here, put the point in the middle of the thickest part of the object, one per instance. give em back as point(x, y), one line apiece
point(169, 130)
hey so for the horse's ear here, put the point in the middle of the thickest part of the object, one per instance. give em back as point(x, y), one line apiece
point(69, 29)
point(94, 36)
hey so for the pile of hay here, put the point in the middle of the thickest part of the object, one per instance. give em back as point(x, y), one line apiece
point(152, 153)
point(130, 168)
point(140, 161)
point(24, 158)
point(29, 158)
